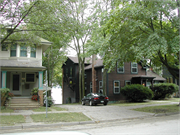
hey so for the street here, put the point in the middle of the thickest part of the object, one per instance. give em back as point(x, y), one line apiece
point(161, 125)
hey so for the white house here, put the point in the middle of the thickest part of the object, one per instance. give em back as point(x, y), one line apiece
point(21, 67)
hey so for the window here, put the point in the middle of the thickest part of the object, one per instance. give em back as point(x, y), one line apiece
point(100, 84)
point(90, 87)
point(116, 87)
point(23, 51)
point(13, 50)
point(4, 47)
point(30, 78)
point(120, 69)
point(127, 83)
point(33, 51)
point(134, 68)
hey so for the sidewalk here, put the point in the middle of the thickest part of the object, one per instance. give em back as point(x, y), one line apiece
point(95, 113)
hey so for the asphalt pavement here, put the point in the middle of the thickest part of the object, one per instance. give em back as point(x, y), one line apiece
point(99, 113)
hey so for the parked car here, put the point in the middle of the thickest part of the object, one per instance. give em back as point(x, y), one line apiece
point(94, 99)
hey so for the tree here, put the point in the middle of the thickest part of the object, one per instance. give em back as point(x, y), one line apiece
point(140, 30)
point(13, 13)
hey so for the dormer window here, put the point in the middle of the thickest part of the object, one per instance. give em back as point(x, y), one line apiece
point(33, 51)
point(23, 51)
point(13, 50)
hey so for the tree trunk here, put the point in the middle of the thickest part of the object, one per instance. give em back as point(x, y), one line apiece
point(80, 76)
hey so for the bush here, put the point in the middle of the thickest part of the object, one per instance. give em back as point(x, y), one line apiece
point(50, 101)
point(34, 91)
point(163, 90)
point(4, 95)
point(136, 92)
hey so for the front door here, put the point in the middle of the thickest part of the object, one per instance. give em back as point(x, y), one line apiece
point(16, 90)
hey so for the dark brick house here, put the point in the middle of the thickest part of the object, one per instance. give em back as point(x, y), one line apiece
point(129, 73)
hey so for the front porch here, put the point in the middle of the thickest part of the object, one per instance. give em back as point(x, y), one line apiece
point(21, 80)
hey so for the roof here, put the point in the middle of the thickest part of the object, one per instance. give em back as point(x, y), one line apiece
point(157, 77)
point(98, 63)
point(75, 60)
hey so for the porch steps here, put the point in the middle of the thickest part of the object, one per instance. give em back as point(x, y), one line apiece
point(22, 103)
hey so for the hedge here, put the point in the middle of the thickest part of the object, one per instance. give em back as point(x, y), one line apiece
point(136, 92)
point(163, 90)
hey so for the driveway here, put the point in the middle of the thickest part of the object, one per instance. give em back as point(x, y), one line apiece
point(106, 113)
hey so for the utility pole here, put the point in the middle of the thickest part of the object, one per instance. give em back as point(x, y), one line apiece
point(93, 74)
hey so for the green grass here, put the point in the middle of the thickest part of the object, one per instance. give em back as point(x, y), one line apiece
point(150, 102)
point(59, 117)
point(58, 108)
point(159, 109)
point(6, 110)
point(41, 109)
point(11, 120)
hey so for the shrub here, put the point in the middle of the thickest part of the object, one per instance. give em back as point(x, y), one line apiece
point(163, 90)
point(4, 95)
point(34, 91)
point(136, 92)
point(50, 101)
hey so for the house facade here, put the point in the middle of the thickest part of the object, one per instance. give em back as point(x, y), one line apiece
point(21, 67)
point(129, 73)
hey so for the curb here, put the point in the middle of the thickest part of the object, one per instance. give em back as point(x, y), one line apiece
point(34, 125)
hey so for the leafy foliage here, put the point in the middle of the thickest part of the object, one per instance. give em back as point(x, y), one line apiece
point(34, 91)
point(136, 92)
point(50, 101)
point(4, 95)
point(163, 90)
point(139, 30)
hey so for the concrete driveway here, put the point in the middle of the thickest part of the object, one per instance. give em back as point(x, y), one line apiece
point(106, 113)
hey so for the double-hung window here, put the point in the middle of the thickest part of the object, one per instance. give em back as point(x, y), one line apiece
point(33, 51)
point(13, 50)
point(134, 68)
point(23, 51)
point(116, 87)
point(120, 69)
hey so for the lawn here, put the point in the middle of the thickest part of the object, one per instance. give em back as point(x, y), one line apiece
point(159, 109)
point(60, 117)
point(43, 109)
point(149, 102)
point(11, 120)
point(6, 110)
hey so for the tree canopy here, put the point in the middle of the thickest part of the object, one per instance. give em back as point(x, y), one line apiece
point(140, 30)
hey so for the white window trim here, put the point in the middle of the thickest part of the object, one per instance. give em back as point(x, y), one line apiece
point(127, 81)
point(34, 78)
point(116, 86)
point(120, 67)
point(134, 67)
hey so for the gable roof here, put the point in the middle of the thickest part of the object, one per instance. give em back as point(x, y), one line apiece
point(75, 60)
point(158, 78)
point(98, 63)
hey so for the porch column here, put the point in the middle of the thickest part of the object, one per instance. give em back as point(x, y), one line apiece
point(4, 79)
point(40, 80)
point(40, 92)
